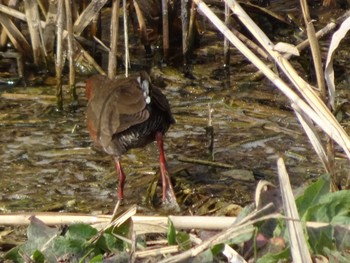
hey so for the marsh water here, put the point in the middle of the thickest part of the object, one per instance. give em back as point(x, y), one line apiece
point(48, 162)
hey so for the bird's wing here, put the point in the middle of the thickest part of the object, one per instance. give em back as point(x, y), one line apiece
point(121, 106)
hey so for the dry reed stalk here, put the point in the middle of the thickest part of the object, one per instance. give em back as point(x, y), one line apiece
point(143, 28)
point(59, 55)
point(315, 49)
point(191, 29)
point(126, 39)
point(226, 42)
point(87, 15)
point(19, 96)
point(314, 107)
point(33, 21)
point(114, 29)
point(79, 54)
point(42, 8)
point(70, 38)
point(298, 246)
point(165, 20)
point(185, 24)
point(317, 60)
point(15, 36)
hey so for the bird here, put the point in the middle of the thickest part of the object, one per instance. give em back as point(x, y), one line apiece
point(126, 113)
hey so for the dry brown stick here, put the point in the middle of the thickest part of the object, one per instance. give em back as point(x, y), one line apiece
point(33, 21)
point(112, 56)
point(59, 55)
point(70, 37)
point(165, 19)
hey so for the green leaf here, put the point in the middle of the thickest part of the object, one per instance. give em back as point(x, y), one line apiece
point(13, 254)
point(171, 235)
point(319, 238)
point(183, 240)
point(312, 194)
point(337, 256)
point(123, 230)
point(342, 238)
point(81, 231)
point(97, 259)
point(217, 249)
point(205, 256)
point(274, 258)
point(38, 257)
point(331, 208)
point(109, 243)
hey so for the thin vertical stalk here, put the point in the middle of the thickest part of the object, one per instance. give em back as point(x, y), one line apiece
point(316, 55)
point(165, 19)
point(226, 42)
point(126, 39)
point(315, 49)
point(185, 23)
point(49, 29)
point(70, 36)
point(191, 28)
point(59, 55)
point(114, 30)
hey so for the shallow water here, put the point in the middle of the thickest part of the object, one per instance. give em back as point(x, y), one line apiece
point(50, 164)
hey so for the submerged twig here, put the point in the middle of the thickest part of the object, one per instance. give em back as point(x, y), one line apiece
point(205, 162)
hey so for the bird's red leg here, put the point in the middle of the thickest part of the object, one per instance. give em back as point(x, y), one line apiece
point(168, 192)
point(121, 178)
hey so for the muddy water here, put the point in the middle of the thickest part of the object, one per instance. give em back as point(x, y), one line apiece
point(48, 162)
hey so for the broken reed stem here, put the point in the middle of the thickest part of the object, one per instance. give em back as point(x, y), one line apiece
point(33, 21)
point(165, 19)
point(114, 28)
point(126, 39)
point(59, 55)
point(72, 88)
